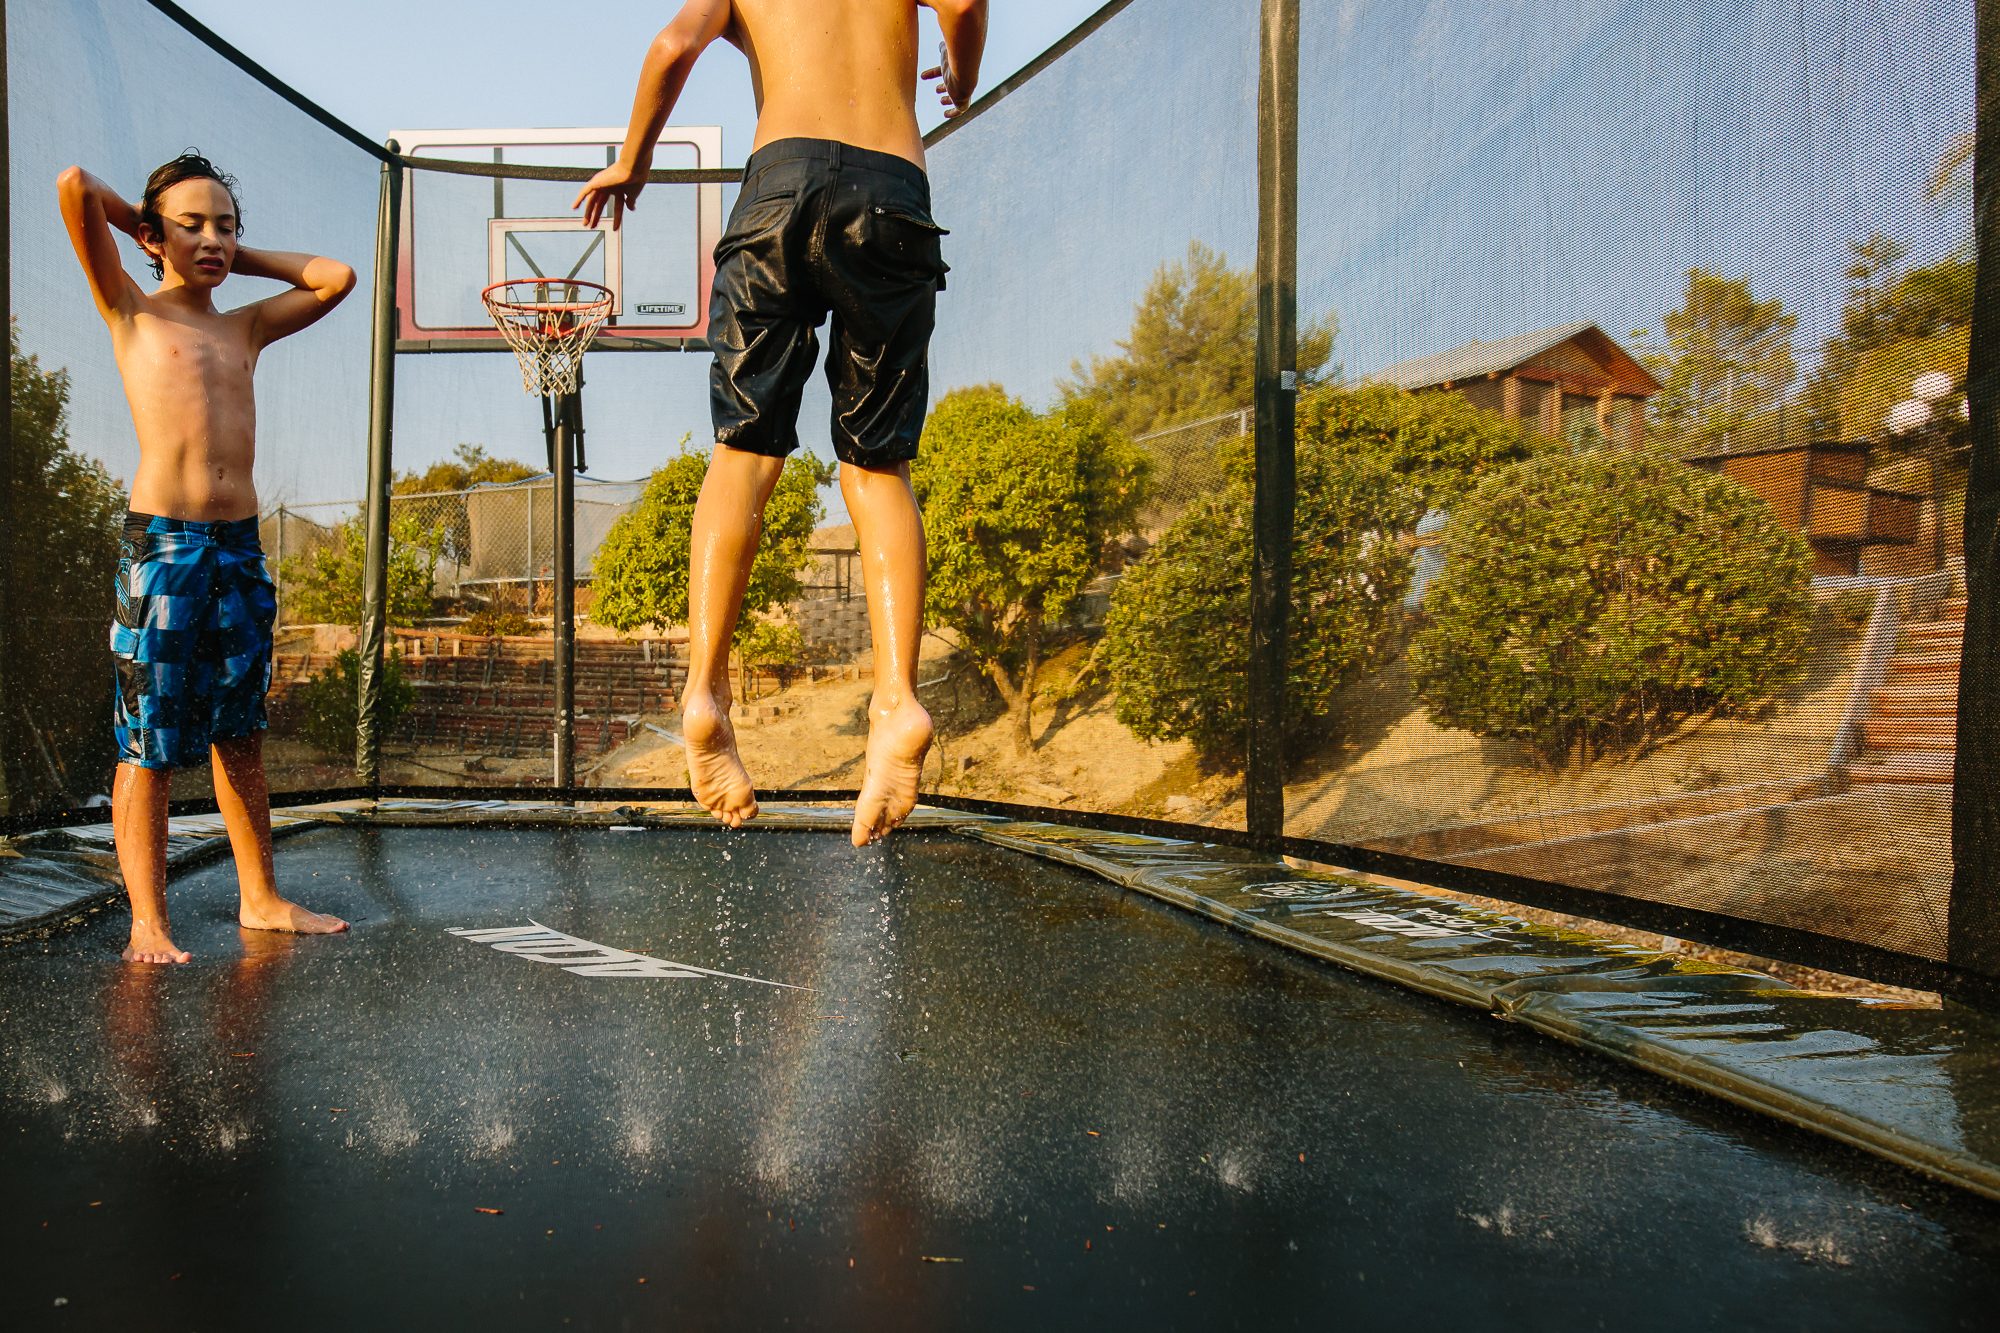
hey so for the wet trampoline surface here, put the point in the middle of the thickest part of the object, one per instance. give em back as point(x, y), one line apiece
point(1008, 1094)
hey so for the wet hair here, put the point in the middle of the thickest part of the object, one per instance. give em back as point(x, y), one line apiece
point(190, 165)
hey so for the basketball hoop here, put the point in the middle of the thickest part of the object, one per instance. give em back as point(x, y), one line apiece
point(550, 323)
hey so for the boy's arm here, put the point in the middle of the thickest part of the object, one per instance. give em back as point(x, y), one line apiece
point(318, 285)
point(963, 23)
point(90, 209)
point(668, 62)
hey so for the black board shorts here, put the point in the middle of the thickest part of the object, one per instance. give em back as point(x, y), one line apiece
point(824, 227)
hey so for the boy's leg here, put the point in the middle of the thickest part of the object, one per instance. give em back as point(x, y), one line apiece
point(245, 802)
point(890, 532)
point(139, 824)
point(728, 519)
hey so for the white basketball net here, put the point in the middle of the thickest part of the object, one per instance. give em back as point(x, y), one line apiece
point(550, 324)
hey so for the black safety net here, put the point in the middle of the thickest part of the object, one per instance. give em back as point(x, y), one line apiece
point(1632, 447)
point(104, 86)
point(1632, 438)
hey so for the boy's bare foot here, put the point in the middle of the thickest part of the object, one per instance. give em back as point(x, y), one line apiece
point(715, 771)
point(290, 916)
point(897, 743)
point(151, 945)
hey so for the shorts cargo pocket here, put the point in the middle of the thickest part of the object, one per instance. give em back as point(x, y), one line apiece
point(751, 220)
point(906, 238)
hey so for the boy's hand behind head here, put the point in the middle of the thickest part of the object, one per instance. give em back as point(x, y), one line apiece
point(189, 221)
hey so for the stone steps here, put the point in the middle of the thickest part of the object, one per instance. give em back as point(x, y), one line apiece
point(1911, 733)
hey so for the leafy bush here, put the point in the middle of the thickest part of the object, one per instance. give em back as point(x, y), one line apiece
point(1371, 461)
point(1589, 598)
point(1177, 644)
point(67, 515)
point(328, 712)
point(1017, 507)
point(768, 643)
point(325, 586)
point(490, 621)
point(642, 567)
point(1440, 442)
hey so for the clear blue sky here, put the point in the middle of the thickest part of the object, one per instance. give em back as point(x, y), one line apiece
point(383, 64)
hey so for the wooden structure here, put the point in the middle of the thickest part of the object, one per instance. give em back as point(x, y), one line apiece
point(1560, 381)
point(1821, 490)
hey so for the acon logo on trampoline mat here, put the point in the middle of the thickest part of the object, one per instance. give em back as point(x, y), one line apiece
point(581, 958)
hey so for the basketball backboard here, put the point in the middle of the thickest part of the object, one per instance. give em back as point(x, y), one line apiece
point(462, 233)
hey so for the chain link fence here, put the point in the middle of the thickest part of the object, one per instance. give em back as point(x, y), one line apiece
point(496, 543)
point(1185, 465)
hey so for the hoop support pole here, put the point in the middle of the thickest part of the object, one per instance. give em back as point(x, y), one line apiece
point(563, 602)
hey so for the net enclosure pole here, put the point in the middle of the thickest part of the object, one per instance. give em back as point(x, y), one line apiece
point(6, 416)
point(1276, 400)
point(1973, 930)
point(563, 600)
point(381, 418)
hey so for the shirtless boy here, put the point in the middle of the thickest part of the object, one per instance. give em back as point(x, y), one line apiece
point(835, 218)
point(192, 636)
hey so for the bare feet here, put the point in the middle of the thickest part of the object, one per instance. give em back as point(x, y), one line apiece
point(714, 769)
point(283, 915)
point(898, 740)
point(151, 945)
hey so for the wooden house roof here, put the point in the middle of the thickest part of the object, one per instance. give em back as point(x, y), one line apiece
point(1579, 352)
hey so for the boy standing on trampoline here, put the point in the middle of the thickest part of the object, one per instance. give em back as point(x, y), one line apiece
point(192, 637)
point(835, 218)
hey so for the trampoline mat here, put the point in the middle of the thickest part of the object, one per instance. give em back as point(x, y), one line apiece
point(1006, 1095)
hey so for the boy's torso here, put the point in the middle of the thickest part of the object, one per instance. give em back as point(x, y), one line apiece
point(844, 70)
point(188, 379)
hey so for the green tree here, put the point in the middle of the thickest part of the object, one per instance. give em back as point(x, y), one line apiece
point(1600, 597)
point(1192, 351)
point(766, 642)
point(68, 515)
point(1724, 367)
point(327, 706)
point(442, 486)
point(1894, 327)
point(325, 585)
point(642, 567)
point(468, 466)
point(1442, 444)
point(1177, 642)
point(1017, 507)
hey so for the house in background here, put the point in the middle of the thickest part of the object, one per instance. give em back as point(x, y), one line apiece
point(1558, 381)
point(1820, 490)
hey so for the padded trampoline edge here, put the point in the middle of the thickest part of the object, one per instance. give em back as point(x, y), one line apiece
point(178, 863)
point(1541, 1005)
point(1414, 976)
point(1632, 1047)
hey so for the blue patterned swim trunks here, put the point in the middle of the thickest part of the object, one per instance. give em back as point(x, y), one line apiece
point(192, 638)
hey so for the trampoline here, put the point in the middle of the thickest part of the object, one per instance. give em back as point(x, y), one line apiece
point(932, 1084)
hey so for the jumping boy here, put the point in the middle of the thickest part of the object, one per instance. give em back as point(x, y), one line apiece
point(192, 636)
point(834, 217)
